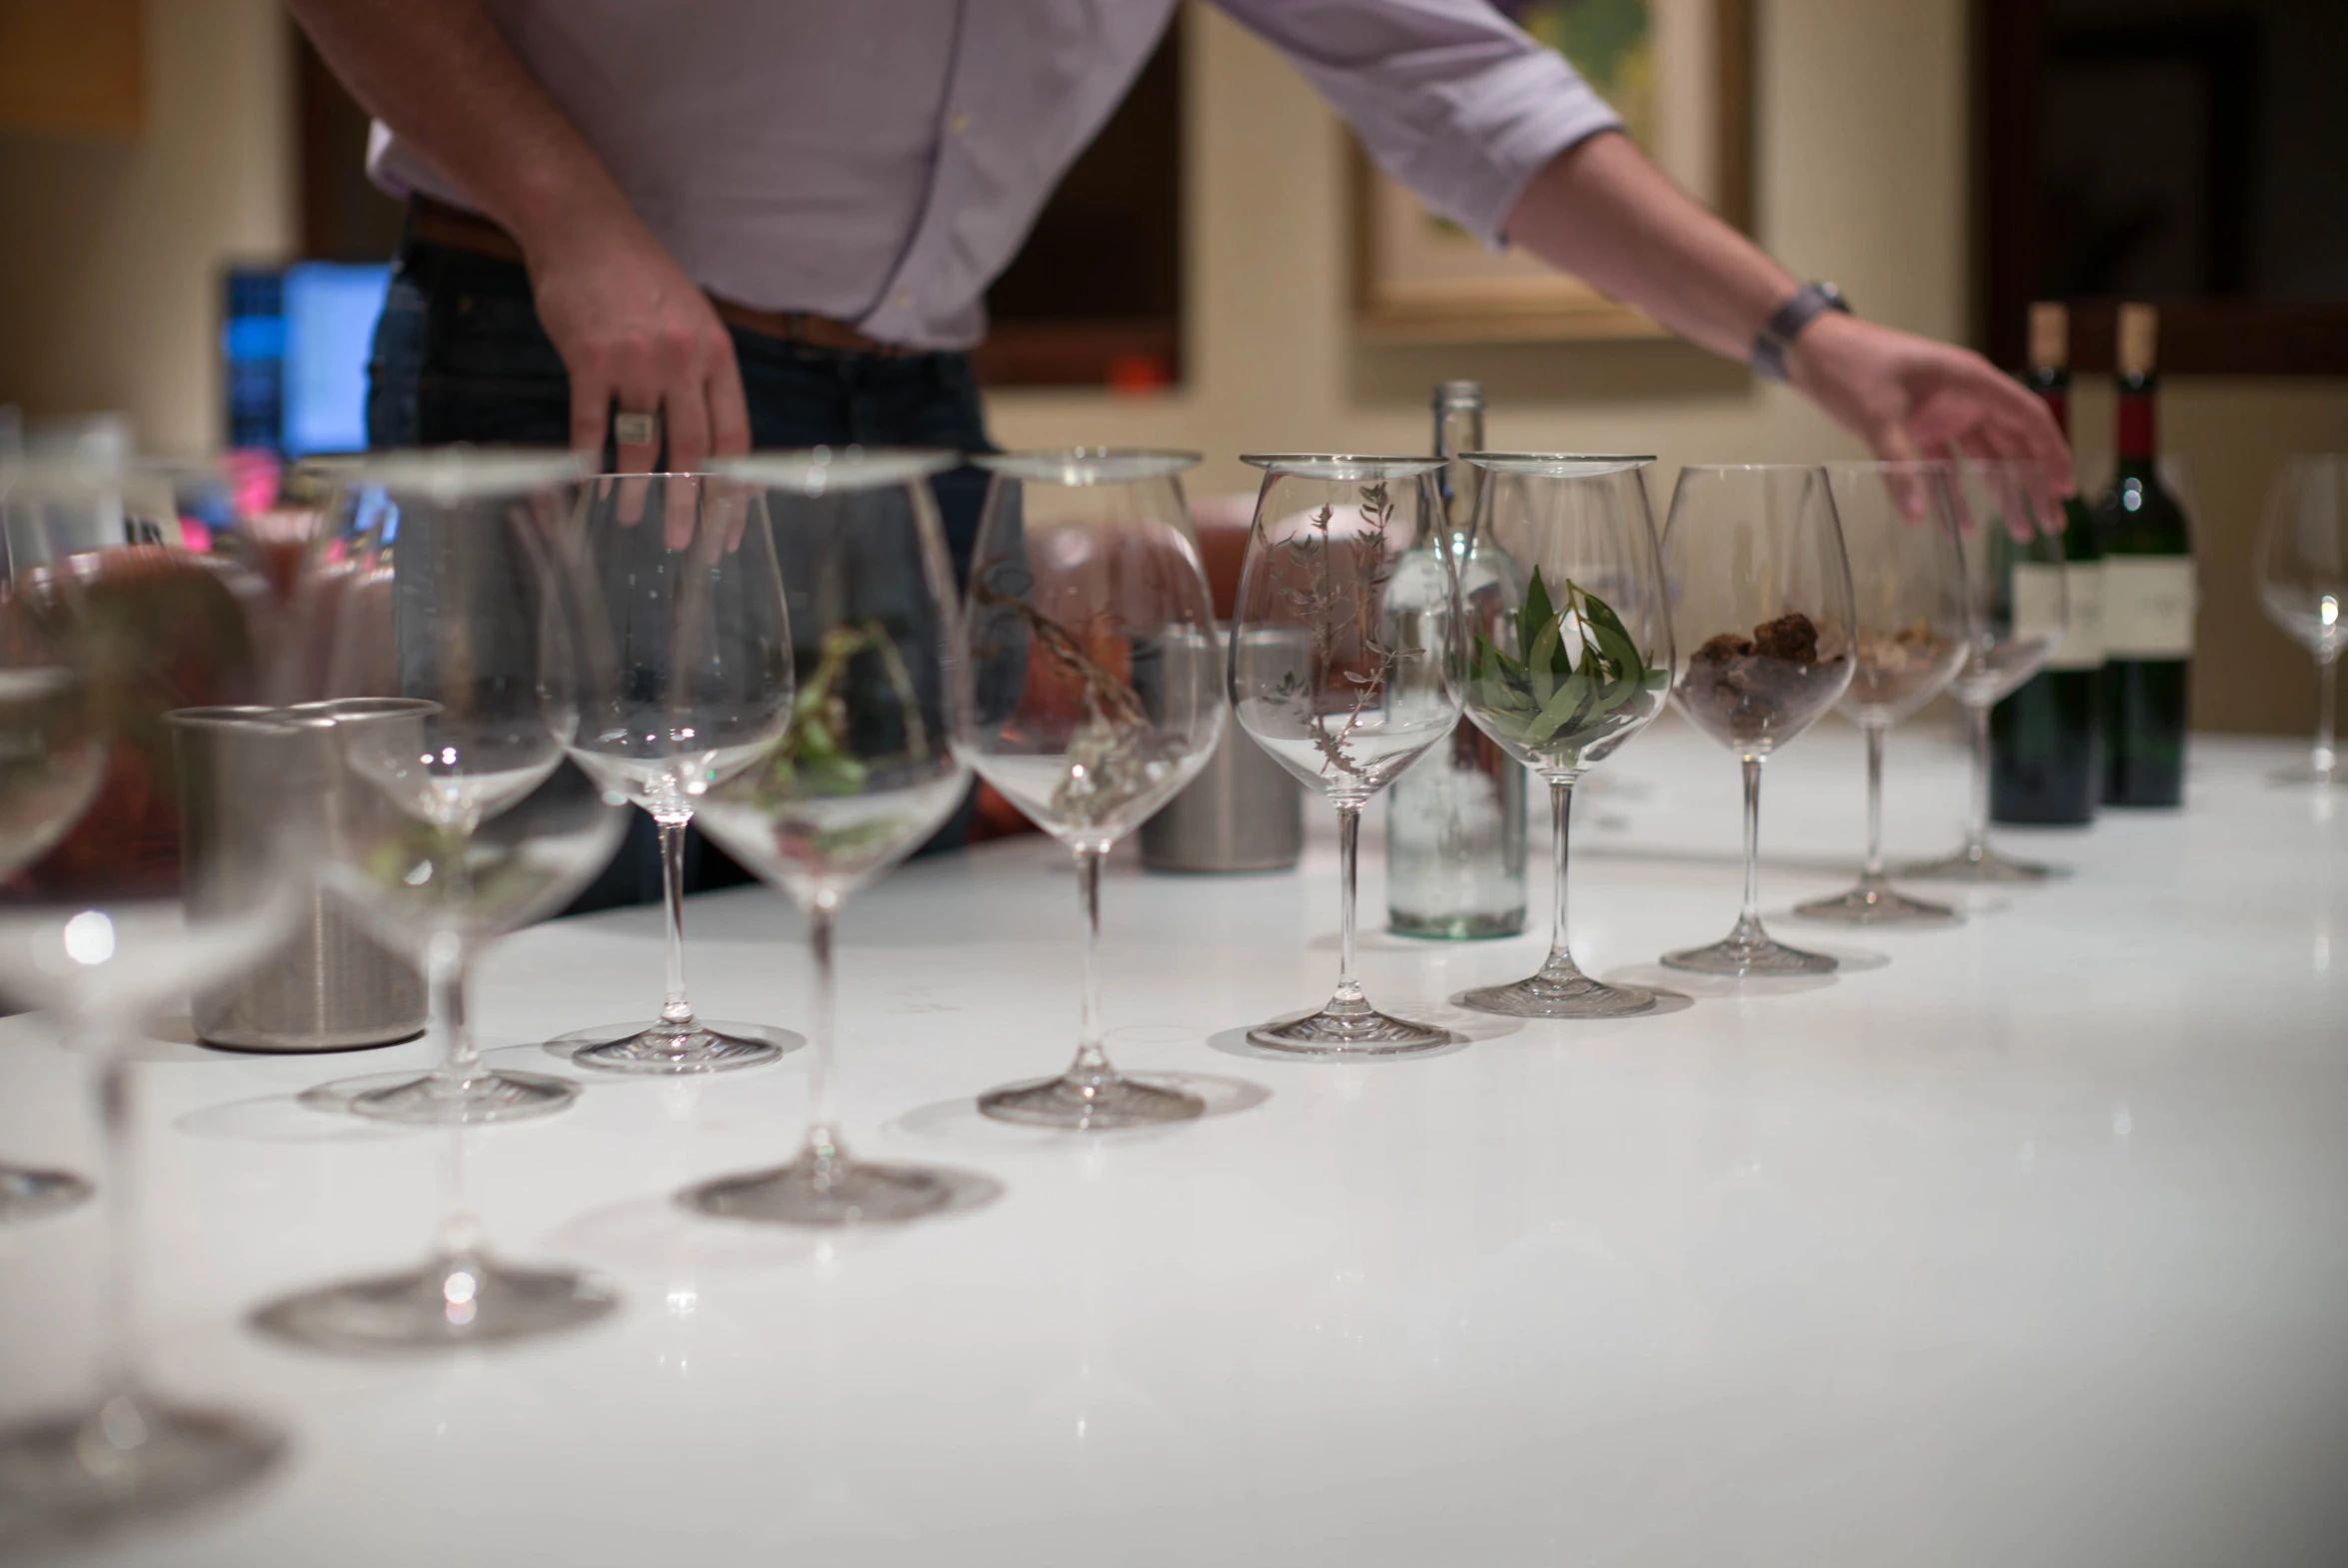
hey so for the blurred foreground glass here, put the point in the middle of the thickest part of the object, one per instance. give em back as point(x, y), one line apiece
point(864, 772)
point(2016, 598)
point(1760, 593)
point(1347, 663)
point(1097, 695)
point(2302, 572)
point(1908, 583)
point(102, 961)
point(447, 593)
point(1569, 656)
point(680, 573)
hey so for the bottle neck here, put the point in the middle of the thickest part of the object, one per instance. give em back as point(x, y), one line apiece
point(2138, 440)
point(1458, 428)
point(2053, 385)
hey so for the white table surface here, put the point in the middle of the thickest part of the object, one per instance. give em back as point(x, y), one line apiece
point(2029, 1246)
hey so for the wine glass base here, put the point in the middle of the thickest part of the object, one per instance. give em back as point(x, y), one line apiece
point(26, 1194)
point(485, 1098)
point(446, 1305)
point(2307, 774)
point(1982, 867)
point(1876, 904)
point(661, 1048)
point(1743, 956)
point(133, 1458)
point(1573, 995)
point(1091, 1106)
point(857, 1193)
point(1361, 1032)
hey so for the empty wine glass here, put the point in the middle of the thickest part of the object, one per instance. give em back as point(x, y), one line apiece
point(1908, 583)
point(1345, 664)
point(52, 760)
point(682, 571)
point(1097, 695)
point(2016, 598)
point(441, 613)
point(102, 959)
point(1761, 596)
point(864, 772)
point(2302, 575)
point(1569, 656)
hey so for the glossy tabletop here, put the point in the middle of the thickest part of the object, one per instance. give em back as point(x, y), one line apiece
point(2027, 1246)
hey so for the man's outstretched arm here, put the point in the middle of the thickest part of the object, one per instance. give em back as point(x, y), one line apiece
point(1601, 211)
point(626, 319)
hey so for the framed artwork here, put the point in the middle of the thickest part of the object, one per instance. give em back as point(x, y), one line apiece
point(1677, 71)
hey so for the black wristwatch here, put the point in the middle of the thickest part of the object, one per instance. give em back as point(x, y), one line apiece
point(1787, 322)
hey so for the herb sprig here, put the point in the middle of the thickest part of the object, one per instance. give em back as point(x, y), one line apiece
point(1549, 691)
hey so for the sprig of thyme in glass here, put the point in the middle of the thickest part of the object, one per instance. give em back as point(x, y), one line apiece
point(813, 758)
point(1327, 608)
point(1550, 690)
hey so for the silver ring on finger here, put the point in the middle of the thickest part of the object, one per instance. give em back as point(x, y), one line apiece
point(637, 430)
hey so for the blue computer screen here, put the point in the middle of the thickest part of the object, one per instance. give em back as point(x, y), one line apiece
point(330, 312)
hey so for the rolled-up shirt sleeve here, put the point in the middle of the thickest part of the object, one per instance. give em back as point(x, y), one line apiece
point(1449, 96)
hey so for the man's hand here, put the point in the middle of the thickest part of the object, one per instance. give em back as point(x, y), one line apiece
point(632, 328)
point(1909, 396)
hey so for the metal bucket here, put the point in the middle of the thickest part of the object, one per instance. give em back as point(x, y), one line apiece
point(332, 985)
point(1241, 814)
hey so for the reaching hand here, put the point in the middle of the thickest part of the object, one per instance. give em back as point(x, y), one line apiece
point(1909, 396)
point(631, 326)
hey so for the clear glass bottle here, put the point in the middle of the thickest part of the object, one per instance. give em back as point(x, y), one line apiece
point(1455, 834)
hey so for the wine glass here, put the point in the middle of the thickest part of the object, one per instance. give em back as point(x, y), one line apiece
point(864, 772)
point(1761, 603)
point(103, 958)
point(52, 760)
point(2302, 575)
point(681, 568)
point(2016, 598)
point(1345, 664)
point(1095, 665)
point(441, 619)
point(1569, 656)
point(1908, 582)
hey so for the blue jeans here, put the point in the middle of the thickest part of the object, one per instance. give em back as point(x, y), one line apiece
point(459, 355)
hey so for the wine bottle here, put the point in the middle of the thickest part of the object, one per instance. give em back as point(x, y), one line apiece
point(2046, 740)
point(1455, 831)
point(2149, 597)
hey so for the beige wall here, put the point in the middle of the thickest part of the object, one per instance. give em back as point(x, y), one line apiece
point(109, 252)
point(1860, 144)
point(110, 263)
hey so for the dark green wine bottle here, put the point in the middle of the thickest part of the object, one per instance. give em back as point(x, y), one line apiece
point(2149, 597)
point(2045, 741)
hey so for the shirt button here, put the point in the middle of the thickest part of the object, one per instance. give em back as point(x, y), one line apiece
point(959, 124)
point(903, 300)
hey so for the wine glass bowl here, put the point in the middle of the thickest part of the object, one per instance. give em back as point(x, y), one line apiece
point(1347, 663)
point(2302, 571)
point(2016, 601)
point(1090, 639)
point(1569, 656)
point(1912, 636)
point(687, 590)
point(864, 771)
point(1761, 603)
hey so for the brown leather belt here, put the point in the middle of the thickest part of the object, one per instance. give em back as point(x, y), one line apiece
point(440, 224)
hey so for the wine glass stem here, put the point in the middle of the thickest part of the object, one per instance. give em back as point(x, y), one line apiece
point(1348, 857)
point(118, 1135)
point(1560, 959)
point(1977, 833)
point(446, 964)
point(2326, 756)
point(677, 1012)
point(827, 1159)
point(1752, 922)
point(1873, 871)
point(1091, 1068)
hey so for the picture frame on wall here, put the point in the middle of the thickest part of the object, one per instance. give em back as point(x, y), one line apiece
point(1680, 72)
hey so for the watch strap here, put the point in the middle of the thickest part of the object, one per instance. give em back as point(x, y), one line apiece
point(1787, 322)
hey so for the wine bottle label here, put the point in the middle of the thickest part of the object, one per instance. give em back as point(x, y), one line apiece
point(2148, 604)
point(2039, 606)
